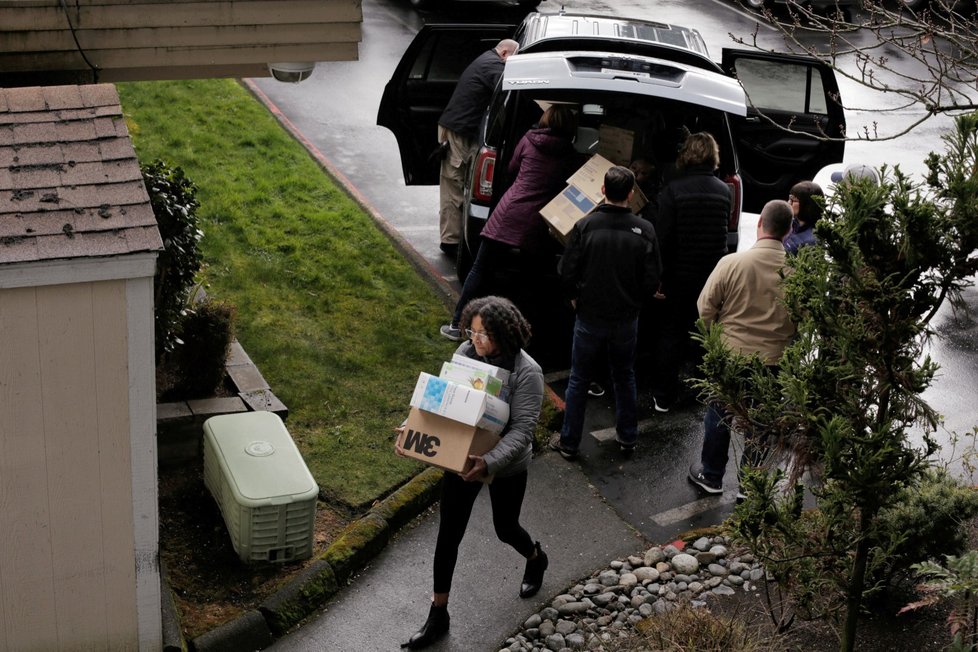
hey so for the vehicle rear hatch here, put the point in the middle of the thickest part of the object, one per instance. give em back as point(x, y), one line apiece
point(630, 74)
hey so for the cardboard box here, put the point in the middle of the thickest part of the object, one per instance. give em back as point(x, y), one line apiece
point(616, 144)
point(498, 372)
point(475, 378)
point(442, 442)
point(460, 403)
point(581, 196)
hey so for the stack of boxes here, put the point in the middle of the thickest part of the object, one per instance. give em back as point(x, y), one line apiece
point(458, 413)
point(581, 196)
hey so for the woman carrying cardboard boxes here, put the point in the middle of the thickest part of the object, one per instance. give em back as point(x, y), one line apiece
point(497, 334)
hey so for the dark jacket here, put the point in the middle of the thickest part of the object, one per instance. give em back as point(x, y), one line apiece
point(472, 93)
point(692, 219)
point(611, 264)
point(800, 237)
point(540, 167)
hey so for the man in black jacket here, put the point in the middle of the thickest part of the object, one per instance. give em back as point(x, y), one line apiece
point(691, 222)
point(609, 268)
point(458, 128)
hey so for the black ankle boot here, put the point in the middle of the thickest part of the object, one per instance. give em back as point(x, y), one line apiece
point(433, 629)
point(533, 575)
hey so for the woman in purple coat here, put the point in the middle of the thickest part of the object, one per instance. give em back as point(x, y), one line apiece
point(543, 160)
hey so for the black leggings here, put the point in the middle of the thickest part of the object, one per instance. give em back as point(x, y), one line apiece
point(457, 498)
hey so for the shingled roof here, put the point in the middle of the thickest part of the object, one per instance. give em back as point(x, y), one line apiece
point(70, 185)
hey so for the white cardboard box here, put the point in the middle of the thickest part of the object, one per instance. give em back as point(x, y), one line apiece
point(498, 372)
point(474, 378)
point(460, 403)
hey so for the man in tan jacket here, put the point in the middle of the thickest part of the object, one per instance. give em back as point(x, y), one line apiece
point(744, 294)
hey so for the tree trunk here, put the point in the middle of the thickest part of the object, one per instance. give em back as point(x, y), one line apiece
point(854, 592)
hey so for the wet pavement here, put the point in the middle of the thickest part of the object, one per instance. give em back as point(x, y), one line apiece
point(587, 512)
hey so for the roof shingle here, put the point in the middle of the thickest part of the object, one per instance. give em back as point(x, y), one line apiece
point(70, 184)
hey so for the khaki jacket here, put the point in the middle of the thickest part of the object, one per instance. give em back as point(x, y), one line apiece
point(744, 294)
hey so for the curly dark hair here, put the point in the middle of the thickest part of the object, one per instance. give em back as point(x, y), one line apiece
point(502, 320)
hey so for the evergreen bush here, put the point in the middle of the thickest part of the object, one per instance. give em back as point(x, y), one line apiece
point(207, 331)
point(927, 522)
point(174, 200)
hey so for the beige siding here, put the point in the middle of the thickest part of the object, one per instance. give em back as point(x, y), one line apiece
point(171, 39)
point(188, 58)
point(67, 578)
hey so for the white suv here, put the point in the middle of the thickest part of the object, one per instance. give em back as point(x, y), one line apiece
point(774, 116)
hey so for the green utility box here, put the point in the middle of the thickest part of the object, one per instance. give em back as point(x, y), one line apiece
point(262, 485)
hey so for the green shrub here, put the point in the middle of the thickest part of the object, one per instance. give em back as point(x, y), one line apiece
point(927, 522)
point(551, 418)
point(207, 331)
point(174, 200)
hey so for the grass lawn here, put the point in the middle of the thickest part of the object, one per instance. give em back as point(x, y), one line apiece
point(337, 322)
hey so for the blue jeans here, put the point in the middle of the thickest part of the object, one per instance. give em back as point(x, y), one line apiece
point(591, 342)
point(716, 442)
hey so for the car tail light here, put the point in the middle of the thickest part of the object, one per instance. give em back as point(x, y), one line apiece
point(736, 201)
point(485, 165)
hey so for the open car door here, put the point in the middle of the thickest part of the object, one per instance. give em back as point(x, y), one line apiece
point(794, 122)
point(421, 86)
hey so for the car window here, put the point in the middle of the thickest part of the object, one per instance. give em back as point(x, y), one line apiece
point(782, 86)
point(433, 64)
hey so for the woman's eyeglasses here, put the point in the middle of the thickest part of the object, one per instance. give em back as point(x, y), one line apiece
point(477, 335)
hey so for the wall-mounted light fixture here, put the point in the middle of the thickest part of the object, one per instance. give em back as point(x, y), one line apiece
point(293, 72)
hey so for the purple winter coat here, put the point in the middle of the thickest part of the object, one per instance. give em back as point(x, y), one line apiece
point(541, 165)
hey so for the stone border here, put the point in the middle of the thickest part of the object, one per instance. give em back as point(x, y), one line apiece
point(179, 425)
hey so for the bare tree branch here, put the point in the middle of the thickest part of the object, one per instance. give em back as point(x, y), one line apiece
point(925, 59)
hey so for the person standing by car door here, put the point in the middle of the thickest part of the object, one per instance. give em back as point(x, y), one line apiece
point(691, 223)
point(806, 199)
point(543, 160)
point(609, 269)
point(457, 131)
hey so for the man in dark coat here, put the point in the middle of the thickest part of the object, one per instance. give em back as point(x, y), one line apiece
point(691, 222)
point(458, 127)
point(610, 267)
